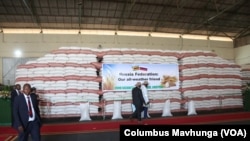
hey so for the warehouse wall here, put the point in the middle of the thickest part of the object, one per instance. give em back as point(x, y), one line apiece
point(242, 55)
point(37, 45)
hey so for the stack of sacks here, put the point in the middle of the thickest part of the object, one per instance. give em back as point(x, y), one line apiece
point(158, 99)
point(207, 79)
point(64, 78)
point(52, 111)
point(137, 58)
point(142, 56)
point(231, 101)
point(117, 95)
point(69, 76)
point(204, 103)
point(245, 72)
point(111, 96)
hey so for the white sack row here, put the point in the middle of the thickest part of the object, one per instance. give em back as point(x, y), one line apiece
point(107, 96)
point(139, 59)
point(211, 93)
point(210, 71)
point(204, 59)
point(211, 82)
point(64, 110)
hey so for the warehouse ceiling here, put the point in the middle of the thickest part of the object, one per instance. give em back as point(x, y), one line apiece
point(227, 18)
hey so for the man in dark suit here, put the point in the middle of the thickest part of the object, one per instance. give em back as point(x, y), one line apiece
point(26, 114)
point(138, 101)
point(15, 92)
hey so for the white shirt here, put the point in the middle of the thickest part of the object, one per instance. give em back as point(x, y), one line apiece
point(33, 111)
point(17, 91)
point(144, 93)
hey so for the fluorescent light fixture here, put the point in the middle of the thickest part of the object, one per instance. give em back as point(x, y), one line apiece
point(189, 36)
point(21, 31)
point(18, 53)
point(112, 32)
point(98, 32)
point(59, 31)
point(131, 33)
point(220, 38)
point(167, 35)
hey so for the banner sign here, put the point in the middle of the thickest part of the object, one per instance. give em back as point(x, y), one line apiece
point(123, 77)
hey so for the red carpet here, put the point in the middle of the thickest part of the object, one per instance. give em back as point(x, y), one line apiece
point(113, 125)
point(7, 137)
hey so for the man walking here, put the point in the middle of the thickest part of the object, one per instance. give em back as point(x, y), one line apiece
point(26, 114)
point(15, 92)
point(138, 101)
point(144, 89)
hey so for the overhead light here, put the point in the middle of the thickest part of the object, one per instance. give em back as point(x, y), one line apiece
point(220, 38)
point(112, 32)
point(59, 31)
point(21, 31)
point(18, 53)
point(130, 33)
point(199, 37)
point(98, 32)
point(165, 35)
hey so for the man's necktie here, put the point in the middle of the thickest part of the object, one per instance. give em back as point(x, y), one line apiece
point(30, 109)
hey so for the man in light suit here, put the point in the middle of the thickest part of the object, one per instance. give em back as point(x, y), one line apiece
point(26, 114)
point(15, 92)
point(144, 90)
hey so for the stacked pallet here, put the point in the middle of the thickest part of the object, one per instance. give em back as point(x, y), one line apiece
point(143, 56)
point(64, 78)
point(69, 76)
point(210, 81)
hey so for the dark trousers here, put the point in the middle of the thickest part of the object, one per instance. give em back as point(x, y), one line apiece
point(12, 119)
point(137, 112)
point(145, 110)
point(32, 129)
